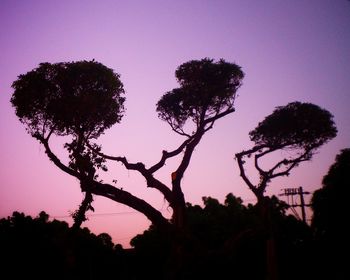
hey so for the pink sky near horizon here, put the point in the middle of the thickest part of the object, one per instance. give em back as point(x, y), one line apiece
point(289, 50)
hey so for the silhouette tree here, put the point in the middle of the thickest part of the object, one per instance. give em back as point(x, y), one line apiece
point(83, 99)
point(329, 203)
point(207, 93)
point(298, 128)
point(79, 100)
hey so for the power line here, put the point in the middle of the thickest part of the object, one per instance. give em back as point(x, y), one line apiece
point(123, 213)
point(99, 214)
point(104, 214)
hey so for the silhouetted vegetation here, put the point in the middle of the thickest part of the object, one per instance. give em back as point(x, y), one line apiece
point(330, 221)
point(228, 241)
point(36, 248)
point(80, 100)
point(75, 99)
point(221, 239)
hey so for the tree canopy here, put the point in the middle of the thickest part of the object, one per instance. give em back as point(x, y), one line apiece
point(69, 98)
point(329, 204)
point(330, 220)
point(296, 125)
point(206, 89)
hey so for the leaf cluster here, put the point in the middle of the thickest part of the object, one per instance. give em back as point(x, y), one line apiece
point(79, 98)
point(330, 203)
point(206, 88)
point(295, 125)
point(84, 159)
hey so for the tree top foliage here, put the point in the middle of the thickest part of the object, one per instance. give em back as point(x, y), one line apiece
point(330, 203)
point(295, 125)
point(338, 173)
point(206, 89)
point(80, 98)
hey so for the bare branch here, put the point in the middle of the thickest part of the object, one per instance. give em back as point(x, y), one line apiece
point(166, 155)
point(240, 161)
point(218, 116)
point(256, 163)
point(130, 200)
point(176, 128)
point(55, 159)
point(109, 191)
point(259, 155)
point(293, 163)
point(140, 167)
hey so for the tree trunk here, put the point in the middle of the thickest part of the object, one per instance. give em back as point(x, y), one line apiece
point(178, 203)
point(265, 209)
point(178, 251)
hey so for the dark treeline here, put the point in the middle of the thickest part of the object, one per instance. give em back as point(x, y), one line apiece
point(222, 241)
point(36, 248)
point(229, 240)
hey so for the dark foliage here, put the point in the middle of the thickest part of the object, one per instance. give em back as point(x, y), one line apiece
point(330, 220)
point(35, 248)
point(82, 99)
point(296, 125)
point(330, 202)
point(221, 241)
point(299, 128)
point(70, 98)
point(206, 89)
point(228, 240)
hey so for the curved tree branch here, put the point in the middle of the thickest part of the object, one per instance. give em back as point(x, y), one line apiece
point(218, 116)
point(259, 155)
point(240, 161)
point(166, 155)
point(293, 163)
point(55, 159)
point(188, 154)
point(130, 200)
point(176, 128)
point(152, 182)
point(106, 190)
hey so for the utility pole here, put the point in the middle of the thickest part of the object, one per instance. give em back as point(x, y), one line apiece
point(302, 203)
point(291, 192)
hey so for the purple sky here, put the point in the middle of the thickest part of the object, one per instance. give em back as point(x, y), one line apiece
point(289, 50)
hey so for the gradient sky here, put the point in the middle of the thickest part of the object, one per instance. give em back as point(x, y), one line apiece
point(289, 50)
